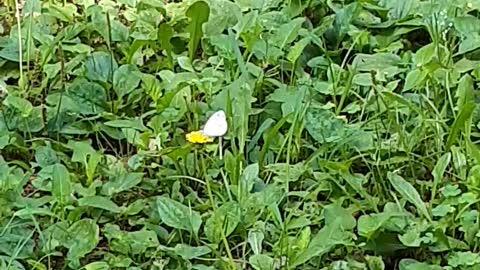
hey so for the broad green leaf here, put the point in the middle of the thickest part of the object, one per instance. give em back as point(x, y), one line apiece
point(135, 207)
point(184, 62)
point(336, 215)
point(97, 266)
point(34, 122)
point(411, 238)
point(165, 34)
point(29, 212)
point(408, 192)
point(188, 252)
point(100, 203)
point(356, 182)
point(375, 263)
point(83, 237)
point(269, 139)
point(3, 87)
point(91, 166)
point(225, 14)
point(10, 239)
point(465, 259)
point(203, 267)
point(81, 150)
point(369, 224)
point(121, 123)
point(343, 19)
point(295, 8)
point(298, 223)
point(459, 124)
point(467, 24)
point(260, 131)
point(140, 241)
point(363, 79)
point(125, 79)
point(100, 66)
point(224, 45)
point(247, 180)
point(410, 264)
point(255, 239)
point(119, 31)
point(399, 10)
point(244, 25)
point(414, 79)
point(61, 185)
point(198, 13)
point(34, 264)
point(319, 62)
point(424, 55)
point(45, 156)
point(465, 91)
point(122, 182)
point(133, 242)
point(460, 163)
point(22, 105)
point(225, 218)
point(85, 98)
point(77, 48)
point(177, 215)
point(324, 241)
point(154, 3)
point(5, 140)
point(380, 61)
point(32, 6)
point(8, 263)
point(11, 52)
point(337, 232)
point(438, 172)
point(442, 210)
point(65, 12)
point(303, 240)
point(261, 262)
point(324, 126)
point(287, 172)
point(465, 65)
point(400, 99)
point(469, 43)
point(297, 50)
point(287, 32)
point(290, 97)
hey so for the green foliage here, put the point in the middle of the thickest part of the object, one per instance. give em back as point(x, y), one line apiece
point(352, 139)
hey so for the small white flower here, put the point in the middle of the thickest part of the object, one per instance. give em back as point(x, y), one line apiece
point(470, 5)
point(153, 144)
point(3, 88)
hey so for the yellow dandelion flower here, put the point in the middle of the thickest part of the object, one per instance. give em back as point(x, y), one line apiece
point(198, 137)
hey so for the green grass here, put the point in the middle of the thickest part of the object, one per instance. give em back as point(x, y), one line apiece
point(352, 139)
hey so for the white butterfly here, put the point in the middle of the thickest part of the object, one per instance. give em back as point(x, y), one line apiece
point(216, 125)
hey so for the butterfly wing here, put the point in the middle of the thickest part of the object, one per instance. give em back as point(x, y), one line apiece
point(216, 125)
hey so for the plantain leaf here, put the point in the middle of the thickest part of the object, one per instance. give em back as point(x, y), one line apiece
point(408, 192)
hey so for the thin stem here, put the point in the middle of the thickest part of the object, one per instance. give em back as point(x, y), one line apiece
point(20, 45)
point(210, 197)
